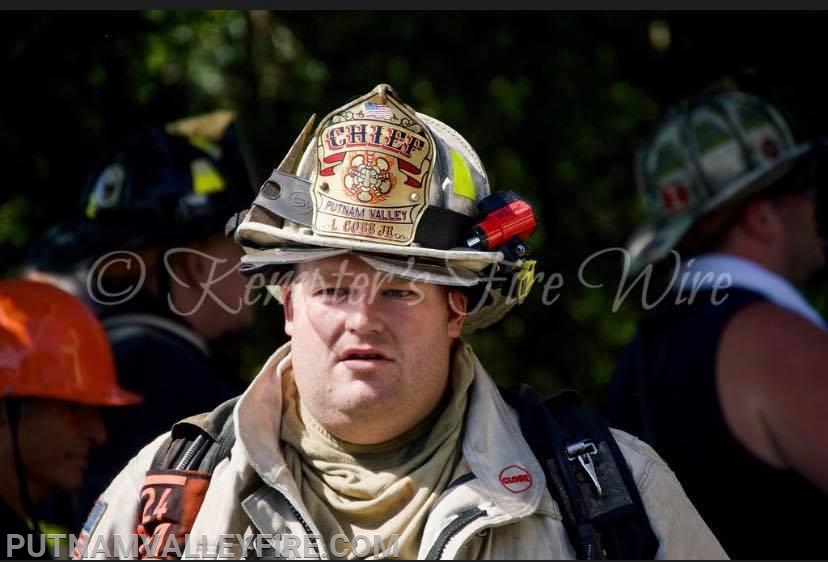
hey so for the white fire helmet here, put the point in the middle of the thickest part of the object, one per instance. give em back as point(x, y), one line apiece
point(394, 187)
point(716, 150)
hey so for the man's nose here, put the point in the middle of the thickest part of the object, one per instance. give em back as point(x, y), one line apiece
point(364, 316)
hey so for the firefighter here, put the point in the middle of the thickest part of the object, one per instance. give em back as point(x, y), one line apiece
point(376, 421)
point(726, 376)
point(56, 373)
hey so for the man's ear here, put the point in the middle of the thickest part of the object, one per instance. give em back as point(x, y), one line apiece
point(458, 303)
point(190, 268)
point(287, 304)
point(761, 220)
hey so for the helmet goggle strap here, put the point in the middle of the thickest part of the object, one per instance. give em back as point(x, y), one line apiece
point(288, 197)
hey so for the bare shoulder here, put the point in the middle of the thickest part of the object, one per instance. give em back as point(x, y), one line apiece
point(772, 379)
point(763, 329)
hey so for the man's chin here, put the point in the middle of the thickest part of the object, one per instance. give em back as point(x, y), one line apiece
point(366, 394)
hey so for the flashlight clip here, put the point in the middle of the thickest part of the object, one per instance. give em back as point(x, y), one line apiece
point(507, 221)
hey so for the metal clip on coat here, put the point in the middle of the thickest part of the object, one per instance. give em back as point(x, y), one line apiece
point(584, 451)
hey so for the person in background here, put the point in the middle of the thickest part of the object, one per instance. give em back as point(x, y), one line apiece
point(56, 375)
point(727, 377)
point(150, 256)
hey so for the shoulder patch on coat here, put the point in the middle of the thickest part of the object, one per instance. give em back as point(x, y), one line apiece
point(515, 478)
point(89, 527)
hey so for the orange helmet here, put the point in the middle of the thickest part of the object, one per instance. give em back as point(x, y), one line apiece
point(52, 346)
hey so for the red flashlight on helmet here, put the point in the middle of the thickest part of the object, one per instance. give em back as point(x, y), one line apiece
point(508, 220)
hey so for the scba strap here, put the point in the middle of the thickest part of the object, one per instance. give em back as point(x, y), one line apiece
point(586, 474)
point(179, 476)
point(170, 502)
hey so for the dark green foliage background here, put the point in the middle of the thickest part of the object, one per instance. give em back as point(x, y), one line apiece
point(554, 102)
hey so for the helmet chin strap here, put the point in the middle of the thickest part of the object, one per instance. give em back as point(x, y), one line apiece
point(13, 415)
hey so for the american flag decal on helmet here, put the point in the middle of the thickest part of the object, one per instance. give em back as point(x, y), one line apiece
point(377, 110)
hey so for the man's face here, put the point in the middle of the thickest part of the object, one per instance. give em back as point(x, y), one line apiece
point(370, 352)
point(803, 244)
point(227, 308)
point(55, 439)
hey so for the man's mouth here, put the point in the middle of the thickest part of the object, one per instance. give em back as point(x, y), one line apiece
point(364, 355)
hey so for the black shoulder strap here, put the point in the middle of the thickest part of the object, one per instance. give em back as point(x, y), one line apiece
point(200, 442)
point(586, 474)
point(177, 481)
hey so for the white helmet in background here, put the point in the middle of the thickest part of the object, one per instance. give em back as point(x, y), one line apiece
point(715, 150)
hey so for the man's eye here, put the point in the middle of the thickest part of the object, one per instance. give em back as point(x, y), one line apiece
point(334, 292)
point(398, 293)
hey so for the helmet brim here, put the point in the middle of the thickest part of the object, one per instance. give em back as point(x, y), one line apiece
point(431, 271)
point(274, 239)
point(654, 240)
point(115, 396)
